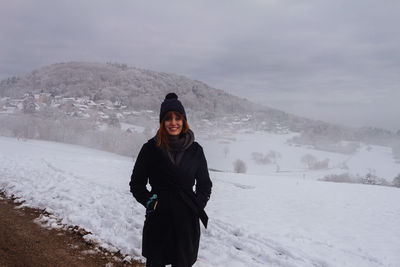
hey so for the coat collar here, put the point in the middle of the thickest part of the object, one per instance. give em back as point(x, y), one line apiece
point(171, 168)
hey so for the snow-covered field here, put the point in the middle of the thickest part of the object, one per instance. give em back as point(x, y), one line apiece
point(264, 218)
point(223, 151)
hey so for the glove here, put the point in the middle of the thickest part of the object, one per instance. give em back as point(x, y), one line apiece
point(151, 205)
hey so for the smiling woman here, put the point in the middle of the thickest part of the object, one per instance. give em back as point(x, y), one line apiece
point(172, 163)
point(171, 127)
point(173, 123)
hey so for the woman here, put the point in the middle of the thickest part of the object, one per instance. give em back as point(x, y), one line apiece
point(172, 163)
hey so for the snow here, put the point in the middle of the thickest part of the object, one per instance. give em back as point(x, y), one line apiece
point(132, 127)
point(376, 159)
point(262, 218)
point(303, 223)
point(8, 110)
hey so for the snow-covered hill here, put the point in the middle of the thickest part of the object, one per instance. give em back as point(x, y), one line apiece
point(85, 96)
point(140, 89)
point(269, 219)
point(133, 87)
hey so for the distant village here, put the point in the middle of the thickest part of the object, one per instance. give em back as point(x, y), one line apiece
point(79, 107)
point(73, 106)
point(112, 114)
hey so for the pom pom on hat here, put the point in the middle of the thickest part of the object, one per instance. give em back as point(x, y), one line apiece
point(171, 103)
point(171, 96)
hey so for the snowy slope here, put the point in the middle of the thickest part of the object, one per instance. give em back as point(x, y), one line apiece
point(374, 159)
point(255, 220)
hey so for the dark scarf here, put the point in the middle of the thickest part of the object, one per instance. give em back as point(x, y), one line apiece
point(178, 145)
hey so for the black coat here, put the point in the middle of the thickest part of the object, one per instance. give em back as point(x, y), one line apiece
point(172, 233)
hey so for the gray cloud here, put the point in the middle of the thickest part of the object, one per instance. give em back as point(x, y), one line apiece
point(323, 59)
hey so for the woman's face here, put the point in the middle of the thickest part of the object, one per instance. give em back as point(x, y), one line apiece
point(173, 124)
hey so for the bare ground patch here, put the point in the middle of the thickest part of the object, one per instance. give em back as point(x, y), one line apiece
point(25, 243)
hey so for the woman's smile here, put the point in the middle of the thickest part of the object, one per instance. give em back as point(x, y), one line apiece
point(173, 125)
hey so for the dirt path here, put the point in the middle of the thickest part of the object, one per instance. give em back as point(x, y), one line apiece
point(25, 243)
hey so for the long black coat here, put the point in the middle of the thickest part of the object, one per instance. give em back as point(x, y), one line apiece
point(171, 234)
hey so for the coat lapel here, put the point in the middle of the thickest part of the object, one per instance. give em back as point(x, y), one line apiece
point(173, 170)
point(175, 174)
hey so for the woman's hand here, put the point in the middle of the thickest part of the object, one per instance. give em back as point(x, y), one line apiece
point(151, 204)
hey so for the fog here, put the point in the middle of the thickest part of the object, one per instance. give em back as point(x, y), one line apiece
point(333, 60)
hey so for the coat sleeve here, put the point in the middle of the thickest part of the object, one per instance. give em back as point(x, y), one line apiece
point(139, 177)
point(203, 181)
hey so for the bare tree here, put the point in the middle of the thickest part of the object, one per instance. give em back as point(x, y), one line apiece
point(396, 181)
point(261, 159)
point(29, 106)
point(239, 166)
point(226, 151)
point(370, 178)
point(320, 165)
point(114, 121)
point(273, 156)
point(308, 160)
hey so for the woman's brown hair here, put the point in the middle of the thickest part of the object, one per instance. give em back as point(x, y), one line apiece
point(162, 134)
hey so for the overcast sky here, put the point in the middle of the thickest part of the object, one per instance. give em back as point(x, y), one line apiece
point(336, 60)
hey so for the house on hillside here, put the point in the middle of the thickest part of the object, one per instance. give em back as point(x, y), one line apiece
point(29, 105)
point(68, 105)
point(44, 98)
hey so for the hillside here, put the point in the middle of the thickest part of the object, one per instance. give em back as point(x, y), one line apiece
point(111, 93)
point(137, 89)
point(133, 87)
